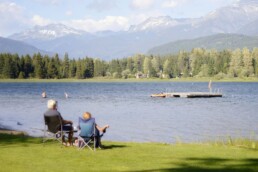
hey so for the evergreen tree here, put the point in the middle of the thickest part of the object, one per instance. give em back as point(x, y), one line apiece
point(114, 67)
point(57, 63)
point(147, 66)
point(39, 66)
point(28, 68)
point(15, 65)
point(65, 66)
point(196, 58)
point(52, 71)
point(8, 70)
point(235, 63)
point(129, 64)
point(184, 65)
point(72, 69)
point(138, 63)
point(156, 64)
point(2, 64)
point(89, 68)
point(167, 68)
point(247, 62)
point(79, 72)
point(222, 61)
point(255, 61)
point(100, 68)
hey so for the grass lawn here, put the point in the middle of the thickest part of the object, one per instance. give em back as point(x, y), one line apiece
point(22, 153)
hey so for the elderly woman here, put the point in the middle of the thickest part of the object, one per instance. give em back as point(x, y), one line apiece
point(87, 116)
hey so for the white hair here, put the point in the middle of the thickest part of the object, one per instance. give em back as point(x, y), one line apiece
point(51, 103)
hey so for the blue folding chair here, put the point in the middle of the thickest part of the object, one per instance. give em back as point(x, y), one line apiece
point(87, 133)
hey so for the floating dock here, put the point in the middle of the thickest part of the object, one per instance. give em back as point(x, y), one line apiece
point(188, 95)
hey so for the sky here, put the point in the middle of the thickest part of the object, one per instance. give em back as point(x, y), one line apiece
point(97, 15)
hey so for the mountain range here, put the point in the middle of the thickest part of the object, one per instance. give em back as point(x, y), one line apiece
point(218, 42)
point(240, 19)
point(13, 46)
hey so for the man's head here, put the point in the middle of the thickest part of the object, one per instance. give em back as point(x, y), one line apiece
point(52, 104)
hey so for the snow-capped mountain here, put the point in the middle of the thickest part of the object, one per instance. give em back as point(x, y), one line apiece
point(227, 19)
point(231, 18)
point(157, 23)
point(240, 18)
point(48, 32)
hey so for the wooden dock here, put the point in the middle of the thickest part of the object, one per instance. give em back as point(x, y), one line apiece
point(188, 95)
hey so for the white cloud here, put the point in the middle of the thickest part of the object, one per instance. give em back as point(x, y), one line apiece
point(10, 10)
point(38, 20)
point(170, 4)
point(115, 23)
point(141, 4)
point(102, 5)
point(12, 18)
point(68, 13)
point(49, 2)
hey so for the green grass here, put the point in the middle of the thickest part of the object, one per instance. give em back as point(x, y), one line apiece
point(22, 153)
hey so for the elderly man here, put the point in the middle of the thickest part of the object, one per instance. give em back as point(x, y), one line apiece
point(66, 125)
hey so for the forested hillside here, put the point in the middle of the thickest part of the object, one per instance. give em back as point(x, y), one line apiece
point(197, 63)
point(218, 42)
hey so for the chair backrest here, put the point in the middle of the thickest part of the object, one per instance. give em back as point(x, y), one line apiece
point(87, 127)
point(53, 123)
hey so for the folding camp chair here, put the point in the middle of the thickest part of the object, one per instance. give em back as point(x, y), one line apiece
point(87, 133)
point(53, 129)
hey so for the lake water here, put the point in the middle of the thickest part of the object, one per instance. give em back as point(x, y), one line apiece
point(132, 114)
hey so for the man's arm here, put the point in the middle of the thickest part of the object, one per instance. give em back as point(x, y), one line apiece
point(65, 121)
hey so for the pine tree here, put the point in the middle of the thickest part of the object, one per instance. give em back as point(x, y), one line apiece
point(52, 71)
point(167, 68)
point(72, 69)
point(39, 67)
point(1, 64)
point(89, 68)
point(247, 62)
point(28, 68)
point(129, 64)
point(79, 72)
point(235, 63)
point(255, 57)
point(8, 71)
point(65, 66)
point(146, 66)
point(100, 68)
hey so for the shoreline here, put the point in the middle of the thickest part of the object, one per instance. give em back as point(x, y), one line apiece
point(130, 80)
point(6, 130)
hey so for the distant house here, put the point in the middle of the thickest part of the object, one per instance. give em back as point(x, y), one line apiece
point(140, 75)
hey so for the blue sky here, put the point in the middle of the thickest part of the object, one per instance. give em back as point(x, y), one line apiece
point(97, 15)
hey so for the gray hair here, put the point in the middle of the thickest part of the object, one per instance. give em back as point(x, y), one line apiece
point(51, 104)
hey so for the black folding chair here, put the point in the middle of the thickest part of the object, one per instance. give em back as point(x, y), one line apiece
point(53, 129)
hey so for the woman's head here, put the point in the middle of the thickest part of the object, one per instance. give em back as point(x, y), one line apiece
point(86, 115)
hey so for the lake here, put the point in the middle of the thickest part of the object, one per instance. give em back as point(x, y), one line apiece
point(132, 114)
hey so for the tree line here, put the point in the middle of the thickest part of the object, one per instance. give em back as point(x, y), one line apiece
point(197, 63)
